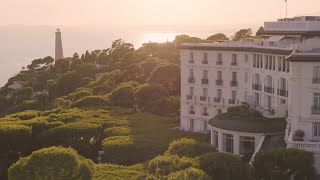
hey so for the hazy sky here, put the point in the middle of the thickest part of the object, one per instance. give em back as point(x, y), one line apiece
point(149, 12)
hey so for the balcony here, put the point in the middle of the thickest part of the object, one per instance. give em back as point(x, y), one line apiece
point(189, 97)
point(256, 87)
point(316, 80)
point(205, 81)
point(234, 64)
point(315, 110)
point(282, 92)
point(203, 98)
point(269, 90)
point(232, 101)
point(192, 112)
point(234, 83)
point(205, 114)
point(204, 62)
point(217, 99)
point(191, 80)
point(191, 61)
point(219, 63)
point(219, 82)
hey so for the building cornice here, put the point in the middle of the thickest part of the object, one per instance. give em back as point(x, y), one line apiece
point(303, 58)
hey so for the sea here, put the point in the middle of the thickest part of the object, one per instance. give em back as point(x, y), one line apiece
point(20, 44)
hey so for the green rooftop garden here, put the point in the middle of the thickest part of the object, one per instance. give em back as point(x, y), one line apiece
point(244, 119)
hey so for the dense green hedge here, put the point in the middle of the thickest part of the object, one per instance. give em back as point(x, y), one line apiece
point(115, 172)
point(52, 163)
point(90, 101)
point(117, 131)
point(119, 149)
point(25, 115)
point(189, 174)
point(189, 147)
point(163, 165)
point(122, 96)
point(15, 138)
point(224, 166)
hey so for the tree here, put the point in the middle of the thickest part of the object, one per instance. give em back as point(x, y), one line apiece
point(164, 165)
point(189, 147)
point(167, 75)
point(218, 37)
point(186, 39)
point(189, 174)
point(224, 166)
point(52, 163)
point(39, 63)
point(241, 34)
point(282, 163)
point(260, 31)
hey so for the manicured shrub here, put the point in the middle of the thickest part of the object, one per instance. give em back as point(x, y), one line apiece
point(119, 149)
point(61, 103)
point(224, 166)
point(282, 163)
point(81, 136)
point(15, 138)
point(81, 94)
point(52, 163)
point(117, 131)
point(115, 172)
point(90, 101)
point(25, 115)
point(298, 135)
point(122, 96)
point(189, 147)
point(164, 165)
point(189, 174)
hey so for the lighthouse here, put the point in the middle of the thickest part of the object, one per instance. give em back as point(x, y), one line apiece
point(58, 49)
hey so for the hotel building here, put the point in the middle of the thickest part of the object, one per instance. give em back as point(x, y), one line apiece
point(277, 75)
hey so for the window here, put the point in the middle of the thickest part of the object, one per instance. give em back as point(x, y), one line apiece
point(316, 101)
point(216, 139)
point(205, 58)
point(219, 111)
point(284, 65)
point(205, 92)
point(282, 84)
point(234, 95)
point(191, 124)
point(274, 62)
point(316, 75)
point(228, 143)
point(316, 129)
point(219, 57)
point(270, 62)
point(219, 75)
point(191, 91)
point(205, 111)
point(219, 93)
point(205, 74)
point(254, 60)
point(246, 58)
point(234, 76)
point(247, 146)
point(234, 60)
point(191, 73)
point(191, 58)
point(257, 99)
point(279, 63)
point(266, 59)
point(191, 110)
point(205, 126)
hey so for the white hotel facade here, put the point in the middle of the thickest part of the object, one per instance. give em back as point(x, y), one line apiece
point(278, 75)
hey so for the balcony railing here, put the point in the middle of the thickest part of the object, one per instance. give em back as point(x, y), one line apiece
point(192, 112)
point(219, 82)
point(219, 63)
point(205, 114)
point(316, 80)
point(203, 98)
point(191, 80)
point(282, 92)
point(204, 62)
point(191, 61)
point(256, 87)
point(217, 99)
point(269, 90)
point(205, 81)
point(189, 97)
point(315, 110)
point(234, 83)
point(234, 63)
point(232, 101)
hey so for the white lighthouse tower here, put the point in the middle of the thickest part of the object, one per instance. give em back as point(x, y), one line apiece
point(58, 49)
